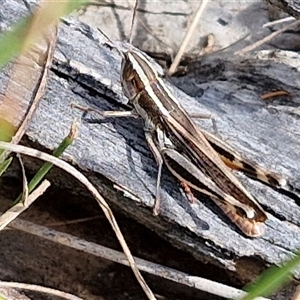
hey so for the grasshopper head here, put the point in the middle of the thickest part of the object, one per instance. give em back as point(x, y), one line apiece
point(130, 79)
point(136, 73)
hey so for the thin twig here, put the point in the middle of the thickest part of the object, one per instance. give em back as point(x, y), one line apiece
point(266, 39)
point(75, 221)
point(187, 37)
point(132, 21)
point(38, 288)
point(24, 196)
point(118, 257)
point(103, 204)
point(269, 24)
point(269, 95)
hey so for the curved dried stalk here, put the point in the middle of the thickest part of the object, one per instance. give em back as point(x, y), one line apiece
point(103, 204)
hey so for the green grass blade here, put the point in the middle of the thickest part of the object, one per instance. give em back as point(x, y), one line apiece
point(5, 165)
point(11, 42)
point(41, 173)
point(272, 279)
point(21, 37)
point(2, 297)
point(7, 130)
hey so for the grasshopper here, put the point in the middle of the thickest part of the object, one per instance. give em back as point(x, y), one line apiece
point(198, 159)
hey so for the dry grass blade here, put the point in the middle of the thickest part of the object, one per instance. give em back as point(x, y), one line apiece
point(40, 289)
point(118, 257)
point(26, 85)
point(75, 221)
point(266, 39)
point(132, 22)
point(274, 94)
point(187, 37)
point(17, 209)
point(296, 295)
point(103, 204)
point(45, 53)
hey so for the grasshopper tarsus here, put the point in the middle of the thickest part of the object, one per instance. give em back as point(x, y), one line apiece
point(156, 207)
point(250, 228)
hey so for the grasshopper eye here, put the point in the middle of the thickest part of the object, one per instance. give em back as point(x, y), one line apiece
point(134, 83)
point(128, 74)
point(129, 77)
point(126, 68)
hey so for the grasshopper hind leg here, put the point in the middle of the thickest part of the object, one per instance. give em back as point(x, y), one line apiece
point(235, 161)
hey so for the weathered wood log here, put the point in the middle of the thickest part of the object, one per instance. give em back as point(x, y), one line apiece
point(116, 158)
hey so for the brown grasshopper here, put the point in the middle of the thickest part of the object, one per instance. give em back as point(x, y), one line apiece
point(197, 158)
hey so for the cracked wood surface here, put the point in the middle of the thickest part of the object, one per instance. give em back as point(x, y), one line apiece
point(116, 158)
point(291, 7)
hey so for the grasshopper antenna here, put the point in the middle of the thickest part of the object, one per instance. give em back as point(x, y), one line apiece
point(132, 22)
point(113, 44)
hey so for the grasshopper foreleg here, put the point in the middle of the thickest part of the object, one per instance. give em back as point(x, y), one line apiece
point(159, 161)
point(108, 113)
